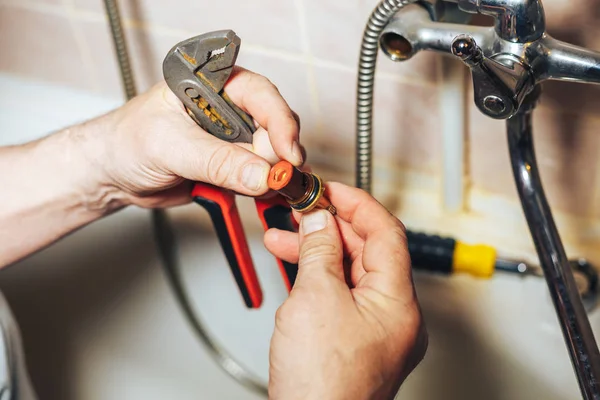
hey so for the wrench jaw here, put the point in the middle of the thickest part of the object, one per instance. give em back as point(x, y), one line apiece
point(196, 70)
point(210, 56)
point(220, 63)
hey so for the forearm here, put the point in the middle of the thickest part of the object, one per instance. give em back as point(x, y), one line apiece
point(50, 188)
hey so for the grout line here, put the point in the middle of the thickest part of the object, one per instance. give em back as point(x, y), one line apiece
point(439, 77)
point(63, 9)
point(594, 212)
point(468, 173)
point(82, 45)
point(310, 67)
point(451, 110)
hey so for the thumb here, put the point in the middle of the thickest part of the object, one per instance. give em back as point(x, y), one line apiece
point(206, 158)
point(321, 250)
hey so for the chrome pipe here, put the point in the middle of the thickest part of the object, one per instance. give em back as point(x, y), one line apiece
point(571, 313)
point(567, 62)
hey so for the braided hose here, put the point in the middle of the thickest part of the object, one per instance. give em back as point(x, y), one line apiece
point(165, 237)
point(366, 81)
point(114, 19)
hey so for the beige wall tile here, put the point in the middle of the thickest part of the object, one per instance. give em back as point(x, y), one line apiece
point(147, 51)
point(268, 23)
point(95, 5)
point(292, 80)
point(335, 32)
point(567, 149)
point(565, 20)
point(42, 46)
point(406, 127)
point(571, 97)
point(100, 48)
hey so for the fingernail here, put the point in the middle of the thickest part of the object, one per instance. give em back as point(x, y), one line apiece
point(254, 176)
point(297, 153)
point(314, 221)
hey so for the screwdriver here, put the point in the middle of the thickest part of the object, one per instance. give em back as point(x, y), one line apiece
point(447, 255)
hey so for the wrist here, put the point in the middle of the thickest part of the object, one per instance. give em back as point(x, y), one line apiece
point(82, 154)
point(354, 384)
point(364, 391)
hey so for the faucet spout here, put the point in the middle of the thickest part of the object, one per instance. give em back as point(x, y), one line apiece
point(412, 30)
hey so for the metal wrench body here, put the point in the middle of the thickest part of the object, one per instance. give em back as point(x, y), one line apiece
point(196, 70)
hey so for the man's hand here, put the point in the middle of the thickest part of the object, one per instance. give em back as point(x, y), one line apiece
point(152, 146)
point(352, 327)
point(143, 153)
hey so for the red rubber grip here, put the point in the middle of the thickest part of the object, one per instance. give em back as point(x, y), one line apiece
point(223, 211)
point(275, 212)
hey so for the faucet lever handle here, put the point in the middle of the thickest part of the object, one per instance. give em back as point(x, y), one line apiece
point(499, 86)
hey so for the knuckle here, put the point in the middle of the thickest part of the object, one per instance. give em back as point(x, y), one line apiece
point(282, 313)
point(220, 165)
point(294, 121)
point(423, 343)
point(399, 232)
point(293, 313)
point(419, 341)
point(295, 116)
point(400, 228)
point(318, 251)
point(415, 325)
point(266, 86)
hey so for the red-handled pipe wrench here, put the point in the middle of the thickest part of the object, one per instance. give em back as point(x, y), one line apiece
point(196, 70)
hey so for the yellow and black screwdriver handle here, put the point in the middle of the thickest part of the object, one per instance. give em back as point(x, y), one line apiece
point(447, 255)
point(196, 70)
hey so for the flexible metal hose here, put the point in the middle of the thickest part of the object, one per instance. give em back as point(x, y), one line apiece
point(165, 237)
point(116, 27)
point(365, 87)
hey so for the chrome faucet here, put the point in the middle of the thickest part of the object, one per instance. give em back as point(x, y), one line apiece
point(508, 62)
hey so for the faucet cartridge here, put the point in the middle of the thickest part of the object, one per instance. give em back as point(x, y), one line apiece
point(304, 191)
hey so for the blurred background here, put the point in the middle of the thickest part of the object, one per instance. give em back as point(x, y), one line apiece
point(97, 316)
